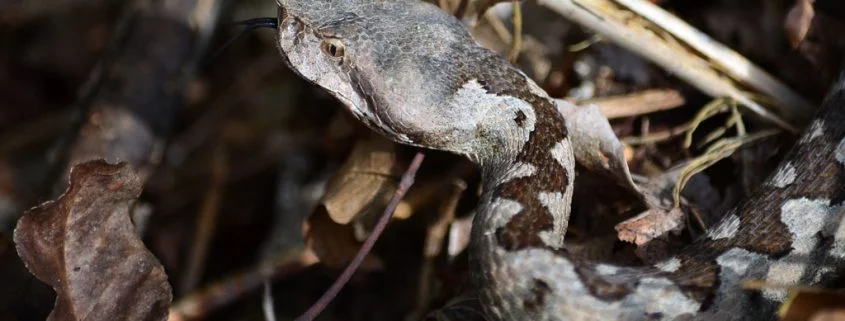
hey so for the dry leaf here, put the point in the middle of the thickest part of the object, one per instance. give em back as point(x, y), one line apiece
point(365, 183)
point(594, 143)
point(813, 304)
point(649, 225)
point(335, 244)
point(798, 22)
point(829, 315)
point(637, 103)
point(354, 198)
point(84, 245)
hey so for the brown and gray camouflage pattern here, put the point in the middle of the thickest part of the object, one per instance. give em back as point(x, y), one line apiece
point(414, 74)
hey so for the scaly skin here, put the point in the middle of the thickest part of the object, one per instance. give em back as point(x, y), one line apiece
point(414, 74)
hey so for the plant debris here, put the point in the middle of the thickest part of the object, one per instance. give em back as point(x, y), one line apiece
point(245, 177)
point(84, 242)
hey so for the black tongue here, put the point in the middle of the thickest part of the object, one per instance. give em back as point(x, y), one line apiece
point(249, 26)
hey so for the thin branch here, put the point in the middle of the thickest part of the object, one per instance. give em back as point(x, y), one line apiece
point(404, 184)
point(641, 36)
point(516, 44)
point(638, 103)
point(726, 59)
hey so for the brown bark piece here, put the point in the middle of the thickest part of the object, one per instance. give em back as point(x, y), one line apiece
point(813, 304)
point(798, 22)
point(649, 225)
point(84, 245)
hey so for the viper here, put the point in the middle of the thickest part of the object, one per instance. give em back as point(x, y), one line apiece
point(414, 74)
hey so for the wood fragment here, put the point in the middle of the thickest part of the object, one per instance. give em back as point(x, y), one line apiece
point(212, 297)
point(726, 59)
point(650, 224)
point(206, 221)
point(638, 103)
point(634, 32)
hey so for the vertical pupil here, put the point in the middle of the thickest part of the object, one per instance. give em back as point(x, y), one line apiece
point(333, 50)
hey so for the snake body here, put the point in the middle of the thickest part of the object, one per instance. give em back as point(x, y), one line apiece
point(414, 74)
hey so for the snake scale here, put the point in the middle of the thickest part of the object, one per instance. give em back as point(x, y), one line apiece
point(414, 74)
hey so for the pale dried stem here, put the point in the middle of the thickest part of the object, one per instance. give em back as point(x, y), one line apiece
point(206, 221)
point(638, 103)
point(725, 59)
point(637, 34)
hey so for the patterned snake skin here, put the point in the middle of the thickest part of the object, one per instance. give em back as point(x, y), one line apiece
point(414, 74)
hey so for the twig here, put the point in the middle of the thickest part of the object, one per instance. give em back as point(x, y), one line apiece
point(434, 239)
point(516, 44)
point(657, 137)
point(636, 34)
point(85, 97)
point(462, 9)
point(404, 184)
point(712, 108)
point(718, 151)
point(29, 133)
point(216, 295)
point(498, 26)
point(267, 302)
point(638, 103)
point(725, 59)
point(206, 220)
point(131, 122)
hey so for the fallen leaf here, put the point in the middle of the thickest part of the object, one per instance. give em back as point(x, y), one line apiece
point(798, 22)
point(594, 143)
point(813, 304)
point(650, 224)
point(84, 246)
point(829, 315)
point(334, 243)
point(365, 183)
point(354, 198)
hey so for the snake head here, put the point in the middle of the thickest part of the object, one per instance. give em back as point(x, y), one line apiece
point(395, 64)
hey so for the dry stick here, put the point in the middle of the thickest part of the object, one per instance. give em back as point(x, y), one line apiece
point(404, 184)
point(725, 59)
point(637, 103)
point(213, 296)
point(636, 33)
point(516, 44)
point(267, 302)
point(462, 9)
point(434, 239)
point(206, 220)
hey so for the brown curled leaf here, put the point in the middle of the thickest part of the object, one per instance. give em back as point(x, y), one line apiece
point(354, 198)
point(84, 246)
point(798, 22)
point(649, 225)
point(594, 143)
point(365, 183)
point(813, 304)
point(333, 243)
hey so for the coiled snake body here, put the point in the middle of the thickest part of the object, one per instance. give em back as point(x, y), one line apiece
point(414, 74)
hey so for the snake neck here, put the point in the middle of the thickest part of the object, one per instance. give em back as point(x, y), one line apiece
point(525, 203)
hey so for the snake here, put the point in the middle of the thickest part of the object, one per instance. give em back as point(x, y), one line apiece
point(414, 74)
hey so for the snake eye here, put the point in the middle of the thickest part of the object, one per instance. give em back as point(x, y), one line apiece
point(333, 48)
